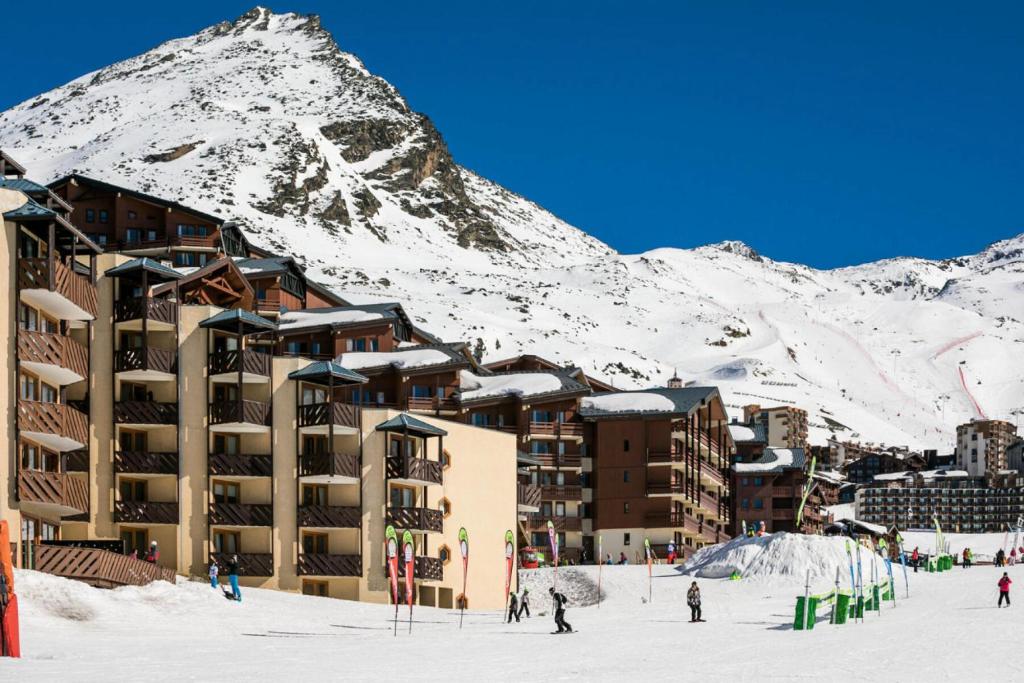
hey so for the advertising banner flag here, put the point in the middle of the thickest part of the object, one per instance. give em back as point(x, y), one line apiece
point(553, 540)
point(391, 548)
point(650, 560)
point(409, 555)
point(510, 557)
point(464, 549)
point(808, 487)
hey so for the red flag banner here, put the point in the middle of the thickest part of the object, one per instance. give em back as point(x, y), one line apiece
point(409, 554)
point(510, 552)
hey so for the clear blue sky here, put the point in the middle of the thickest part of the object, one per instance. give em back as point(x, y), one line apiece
point(827, 133)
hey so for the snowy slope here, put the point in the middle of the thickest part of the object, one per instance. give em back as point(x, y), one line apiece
point(264, 120)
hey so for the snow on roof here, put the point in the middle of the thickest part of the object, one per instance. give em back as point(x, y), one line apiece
point(475, 386)
point(830, 476)
point(873, 528)
point(413, 358)
point(773, 460)
point(892, 476)
point(291, 320)
point(632, 401)
point(740, 432)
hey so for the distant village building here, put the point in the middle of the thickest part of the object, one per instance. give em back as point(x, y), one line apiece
point(981, 446)
point(784, 426)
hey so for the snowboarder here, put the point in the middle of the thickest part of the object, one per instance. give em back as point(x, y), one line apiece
point(233, 577)
point(693, 600)
point(915, 559)
point(513, 608)
point(671, 553)
point(1004, 590)
point(154, 553)
point(560, 601)
point(524, 603)
point(214, 571)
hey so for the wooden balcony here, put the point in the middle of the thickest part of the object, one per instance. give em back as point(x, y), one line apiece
point(673, 520)
point(416, 519)
point(137, 512)
point(162, 311)
point(329, 516)
point(145, 413)
point(328, 467)
point(708, 503)
point(539, 522)
point(55, 425)
point(782, 491)
point(51, 285)
point(56, 358)
point(98, 568)
point(414, 470)
point(240, 465)
point(567, 461)
point(249, 564)
point(252, 362)
point(710, 474)
point(784, 513)
point(53, 492)
point(432, 404)
point(561, 492)
point(423, 569)
point(528, 497)
point(675, 488)
point(556, 429)
point(665, 457)
point(145, 462)
point(345, 415)
point(146, 359)
point(241, 514)
point(256, 413)
point(324, 564)
point(75, 461)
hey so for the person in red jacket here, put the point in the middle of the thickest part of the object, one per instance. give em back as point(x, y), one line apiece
point(1004, 590)
point(915, 559)
point(154, 553)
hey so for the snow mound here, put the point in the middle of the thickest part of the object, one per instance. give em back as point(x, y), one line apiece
point(62, 598)
point(781, 556)
point(576, 583)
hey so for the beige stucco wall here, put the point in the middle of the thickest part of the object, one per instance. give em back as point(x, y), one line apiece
point(9, 200)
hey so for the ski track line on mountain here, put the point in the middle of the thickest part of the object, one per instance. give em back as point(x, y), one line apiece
point(970, 396)
point(956, 342)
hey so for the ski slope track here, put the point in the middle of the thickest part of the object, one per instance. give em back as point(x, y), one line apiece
point(266, 121)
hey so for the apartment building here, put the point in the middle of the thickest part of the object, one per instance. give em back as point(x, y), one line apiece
point(784, 426)
point(981, 446)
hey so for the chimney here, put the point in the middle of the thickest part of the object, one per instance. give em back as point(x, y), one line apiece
point(675, 382)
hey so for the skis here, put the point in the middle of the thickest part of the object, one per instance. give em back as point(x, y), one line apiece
point(563, 633)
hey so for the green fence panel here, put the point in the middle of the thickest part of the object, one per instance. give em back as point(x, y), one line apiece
point(842, 608)
point(799, 619)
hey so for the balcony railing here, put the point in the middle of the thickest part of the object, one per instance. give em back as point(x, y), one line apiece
point(782, 491)
point(568, 460)
point(53, 349)
point(540, 521)
point(137, 512)
point(528, 495)
point(145, 462)
point(145, 412)
point(244, 411)
point(136, 308)
point(424, 568)
point(675, 488)
point(240, 465)
point(98, 568)
point(431, 403)
point(329, 465)
point(330, 516)
point(241, 514)
point(315, 414)
point(561, 492)
point(324, 564)
point(75, 461)
point(58, 419)
point(664, 457)
point(415, 469)
point(675, 520)
point(52, 275)
point(784, 513)
point(146, 358)
point(61, 490)
point(253, 362)
point(249, 564)
point(416, 519)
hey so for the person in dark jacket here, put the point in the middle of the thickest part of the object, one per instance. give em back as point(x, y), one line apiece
point(154, 553)
point(233, 577)
point(1004, 590)
point(524, 603)
point(560, 602)
point(513, 608)
point(693, 600)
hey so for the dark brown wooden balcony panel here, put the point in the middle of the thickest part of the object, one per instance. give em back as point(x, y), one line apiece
point(528, 495)
point(136, 308)
point(145, 462)
point(418, 469)
point(146, 358)
point(561, 492)
point(323, 564)
point(329, 464)
point(145, 412)
point(416, 519)
point(52, 275)
point(249, 564)
point(540, 522)
point(344, 414)
point(568, 460)
point(98, 568)
point(75, 461)
point(329, 516)
point(424, 568)
point(245, 411)
point(241, 465)
point(59, 419)
point(678, 520)
point(665, 488)
point(253, 362)
point(53, 349)
point(53, 488)
point(241, 514)
point(134, 512)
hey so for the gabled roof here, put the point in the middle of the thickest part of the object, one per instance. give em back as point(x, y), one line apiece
point(229, 321)
point(35, 190)
point(477, 389)
point(109, 187)
point(272, 265)
point(33, 211)
point(322, 371)
point(9, 162)
point(747, 433)
point(213, 277)
point(404, 422)
point(325, 292)
point(138, 265)
point(656, 401)
point(418, 358)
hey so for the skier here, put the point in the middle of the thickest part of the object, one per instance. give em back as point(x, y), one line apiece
point(154, 553)
point(214, 570)
point(560, 602)
point(915, 559)
point(233, 577)
point(513, 608)
point(524, 603)
point(693, 600)
point(1004, 590)
point(671, 553)
point(967, 559)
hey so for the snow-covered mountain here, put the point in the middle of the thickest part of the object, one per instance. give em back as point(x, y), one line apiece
point(266, 121)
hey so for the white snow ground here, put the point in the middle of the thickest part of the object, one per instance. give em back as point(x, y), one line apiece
point(188, 632)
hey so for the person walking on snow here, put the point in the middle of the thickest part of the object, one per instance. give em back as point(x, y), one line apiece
point(970, 557)
point(1013, 556)
point(915, 559)
point(214, 571)
point(513, 608)
point(967, 559)
point(524, 603)
point(154, 553)
point(693, 600)
point(1004, 590)
point(233, 577)
point(560, 602)
point(671, 553)
point(1000, 558)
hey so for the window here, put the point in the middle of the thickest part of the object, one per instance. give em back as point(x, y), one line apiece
point(135, 541)
point(625, 538)
point(421, 391)
point(28, 387)
point(28, 318)
point(559, 509)
point(227, 542)
point(745, 481)
point(444, 553)
point(625, 508)
point(445, 506)
point(34, 457)
point(480, 419)
point(132, 215)
point(625, 476)
point(312, 395)
point(758, 504)
point(132, 441)
point(190, 258)
point(374, 344)
point(314, 494)
point(314, 543)
point(225, 492)
point(90, 215)
point(745, 503)
point(402, 497)
point(315, 588)
point(625, 446)
point(227, 443)
point(132, 490)
point(758, 481)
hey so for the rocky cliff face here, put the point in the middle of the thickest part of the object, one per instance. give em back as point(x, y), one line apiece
point(265, 120)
